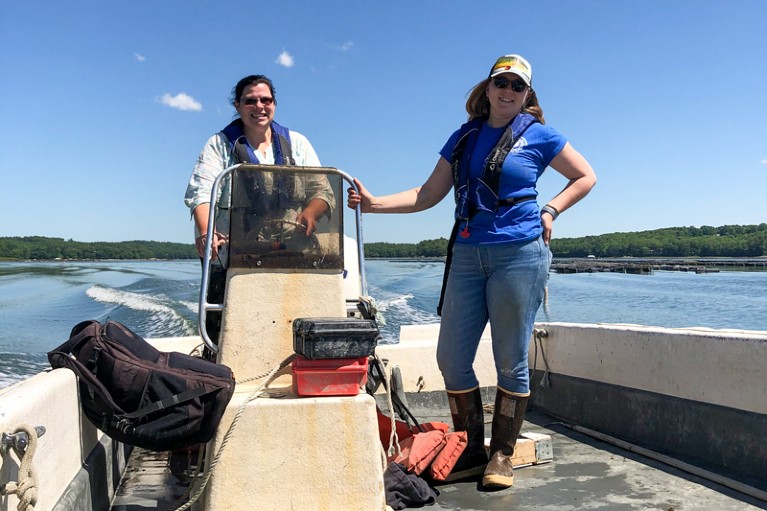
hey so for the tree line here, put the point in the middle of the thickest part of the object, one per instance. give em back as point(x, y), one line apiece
point(42, 248)
point(705, 241)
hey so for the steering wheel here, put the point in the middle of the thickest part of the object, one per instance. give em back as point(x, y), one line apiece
point(305, 243)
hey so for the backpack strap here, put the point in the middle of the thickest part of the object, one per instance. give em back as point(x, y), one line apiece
point(168, 401)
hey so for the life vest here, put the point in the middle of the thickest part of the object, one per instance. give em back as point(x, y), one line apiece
point(285, 187)
point(427, 446)
point(482, 194)
point(243, 151)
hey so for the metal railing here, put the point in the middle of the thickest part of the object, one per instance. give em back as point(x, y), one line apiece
point(204, 305)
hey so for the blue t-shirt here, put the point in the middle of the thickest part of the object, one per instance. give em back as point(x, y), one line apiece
point(521, 169)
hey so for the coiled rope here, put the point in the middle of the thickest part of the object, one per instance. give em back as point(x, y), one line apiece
point(25, 488)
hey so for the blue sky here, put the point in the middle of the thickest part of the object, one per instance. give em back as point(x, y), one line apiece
point(104, 106)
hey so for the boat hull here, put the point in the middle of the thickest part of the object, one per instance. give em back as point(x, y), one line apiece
point(691, 395)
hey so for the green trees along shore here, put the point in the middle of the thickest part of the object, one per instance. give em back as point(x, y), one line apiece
point(41, 248)
point(725, 241)
point(705, 241)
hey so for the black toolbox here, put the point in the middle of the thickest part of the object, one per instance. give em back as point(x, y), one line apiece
point(328, 338)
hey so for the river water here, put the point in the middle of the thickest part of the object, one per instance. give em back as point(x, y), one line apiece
point(40, 302)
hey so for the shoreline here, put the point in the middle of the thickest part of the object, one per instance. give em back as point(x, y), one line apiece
point(628, 264)
point(563, 265)
point(646, 265)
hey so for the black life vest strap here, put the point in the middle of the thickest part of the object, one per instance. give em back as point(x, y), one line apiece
point(511, 201)
point(240, 152)
point(287, 152)
point(448, 261)
point(491, 174)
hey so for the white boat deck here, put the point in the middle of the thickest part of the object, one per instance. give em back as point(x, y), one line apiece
point(585, 474)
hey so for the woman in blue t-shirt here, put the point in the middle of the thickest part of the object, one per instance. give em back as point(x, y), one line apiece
point(498, 260)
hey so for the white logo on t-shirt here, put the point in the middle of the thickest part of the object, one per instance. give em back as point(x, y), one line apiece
point(521, 143)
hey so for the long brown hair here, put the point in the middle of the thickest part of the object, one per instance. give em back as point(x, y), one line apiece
point(479, 106)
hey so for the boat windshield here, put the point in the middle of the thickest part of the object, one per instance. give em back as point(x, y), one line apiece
point(265, 228)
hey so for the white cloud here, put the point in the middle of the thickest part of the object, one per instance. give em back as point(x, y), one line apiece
point(348, 45)
point(285, 59)
point(181, 101)
point(764, 162)
point(139, 57)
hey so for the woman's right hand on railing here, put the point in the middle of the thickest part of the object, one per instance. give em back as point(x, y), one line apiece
point(362, 198)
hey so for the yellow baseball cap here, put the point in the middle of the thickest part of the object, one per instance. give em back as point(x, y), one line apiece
point(513, 64)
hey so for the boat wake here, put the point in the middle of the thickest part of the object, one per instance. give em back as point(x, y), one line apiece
point(148, 315)
point(15, 367)
point(401, 310)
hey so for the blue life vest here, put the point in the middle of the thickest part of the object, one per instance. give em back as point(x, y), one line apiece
point(483, 196)
point(244, 152)
point(285, 187)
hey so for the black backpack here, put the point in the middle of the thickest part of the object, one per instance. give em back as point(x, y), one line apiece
point(139, 395)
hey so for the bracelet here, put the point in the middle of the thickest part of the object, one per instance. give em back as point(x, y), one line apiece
point(551, 210)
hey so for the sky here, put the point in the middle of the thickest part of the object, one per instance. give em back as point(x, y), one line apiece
point(105, 106)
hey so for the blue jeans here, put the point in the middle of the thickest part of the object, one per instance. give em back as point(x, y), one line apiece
point(503, 283)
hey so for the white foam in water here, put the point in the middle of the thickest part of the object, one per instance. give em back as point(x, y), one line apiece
point(395, 301)
point(7, 380)
point(164, 318)
point(398, 311)
point(133, 301)
point(192, 306)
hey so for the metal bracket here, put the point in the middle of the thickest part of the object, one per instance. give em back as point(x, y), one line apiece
point(19, 441)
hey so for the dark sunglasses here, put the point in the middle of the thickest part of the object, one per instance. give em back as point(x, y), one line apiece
point(266, 101)
point(516, 85)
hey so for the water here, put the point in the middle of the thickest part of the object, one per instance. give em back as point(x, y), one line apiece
point(41, 302)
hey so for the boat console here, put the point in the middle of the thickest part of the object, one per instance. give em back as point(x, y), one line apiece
point(276, 273)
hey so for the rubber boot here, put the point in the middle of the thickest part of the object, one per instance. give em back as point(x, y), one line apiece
point(507, 423)
point(466, 409)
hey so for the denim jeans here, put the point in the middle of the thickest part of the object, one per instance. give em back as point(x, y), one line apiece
point(503, 283)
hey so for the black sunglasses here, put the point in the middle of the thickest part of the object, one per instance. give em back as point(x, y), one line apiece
point(266, 101)
point(516, 85)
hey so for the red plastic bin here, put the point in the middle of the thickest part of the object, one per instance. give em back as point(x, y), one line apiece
point(329, 377)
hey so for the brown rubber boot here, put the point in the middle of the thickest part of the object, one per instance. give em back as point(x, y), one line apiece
point(466, 409)
point(507, 423)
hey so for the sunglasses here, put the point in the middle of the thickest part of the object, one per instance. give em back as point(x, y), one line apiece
point(516, 85)
point(266, 101)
